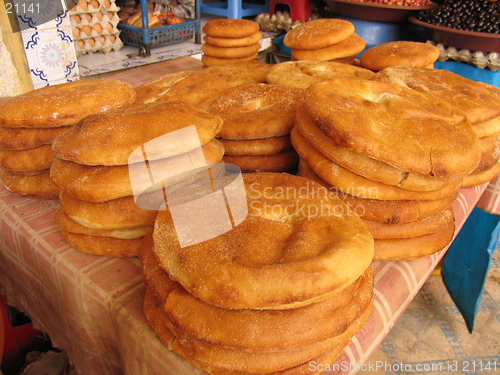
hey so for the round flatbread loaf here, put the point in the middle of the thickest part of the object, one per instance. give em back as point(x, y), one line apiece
point(415, 247)
point(353, 184)
point(363, 165)
point(263, 146)
point(230, 52)
point(257, 110)
point(349, 47)
point(250, 328)
point(370, 117)
point(399, 53)
point(233, 42)
point(103, 183)
point(38, 186)
point(280, 162)
point(302, 74)
point(105, 246)
point(230, 28)
point(114, 214)
point(231, 271)
point(109, 139)
point(66, 223)
point(318, 33)
point(182, 346)
point(390, 212)
point(479, 101)
point(64, 104)
point(215, 61)
point(421, 227)
point(33, 159)
point(240, 73)
point(479, 178)
point(26, 138)
point(191, 87)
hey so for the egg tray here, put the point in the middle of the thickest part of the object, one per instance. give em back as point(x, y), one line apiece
point(481, 60)
point(95, 27)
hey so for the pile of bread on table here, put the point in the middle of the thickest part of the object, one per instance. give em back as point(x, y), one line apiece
point(343, 163)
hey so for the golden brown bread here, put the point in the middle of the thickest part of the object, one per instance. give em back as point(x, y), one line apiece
point(371, 118)
point(233, 42)
point(102, 183)
point(240, 73)
point(475, 179)
point(353, 184)
point(230, 28)
point(215, 61)
point(67, 224)
point(390, 212)
point(280, 162)
point(110, 138)
point(263, 146)
point(38, 186)
point(33, 159)
point(349, 47)
point(230, 52)
point(250, 328)
point(302, 74)
point(191, 87)
point(105, 246)
point(479, 101)
point(426, 225)
point(399, 53)
point(246, 108)
point(25, 138)
point(64, 104)
point(113, 214)
point(288, 243)
point(414, 247)
point(363, 165)
point(318, 33)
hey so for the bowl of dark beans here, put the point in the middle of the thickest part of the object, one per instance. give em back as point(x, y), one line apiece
point(463, 24)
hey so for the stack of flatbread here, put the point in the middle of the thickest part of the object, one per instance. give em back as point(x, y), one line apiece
point(258, 118)
point(328, 39)
point(395, 155)
point(271, 294)
point(111, 166)
point(31, 121)
point(480, 102)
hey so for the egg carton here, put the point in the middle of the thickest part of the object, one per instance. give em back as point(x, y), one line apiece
point(481, 60)
point(103, 43)
point(94, 24)
point(92, 6)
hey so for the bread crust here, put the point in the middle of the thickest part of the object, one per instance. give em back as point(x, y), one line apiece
point(318, 33)
point(349, 47)
point(240, 73)
point(233, 42)
point(371, 117)
point(230, 28)
point(230, 52)
point(280, 162)
point(399, 53)
point(64, 104)
point(302, 74)
point(108, 139)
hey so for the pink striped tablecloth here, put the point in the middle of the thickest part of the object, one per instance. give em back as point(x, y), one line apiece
point(91, 306)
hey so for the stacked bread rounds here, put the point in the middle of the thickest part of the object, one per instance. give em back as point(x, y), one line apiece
point(30, 122)
point(328, 39)
point(346, 136)
point(258, 118)
point(190, 86)
point(230, 40)
point(229, 283)
point(399, 53)
point(240, 73)
point(479, 101)
point(302, 74)
point(99, 211)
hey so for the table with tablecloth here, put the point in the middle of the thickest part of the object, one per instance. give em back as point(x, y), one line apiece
point(91, 306)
